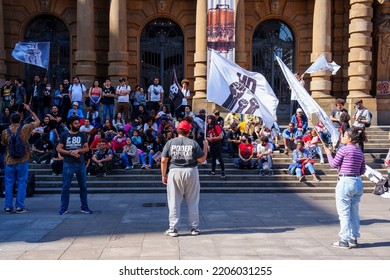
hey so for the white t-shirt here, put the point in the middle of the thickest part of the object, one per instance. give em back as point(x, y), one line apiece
point(77, 91)
point(126, 97)
point(155, 92)
point(83, 128)
point(186, 93)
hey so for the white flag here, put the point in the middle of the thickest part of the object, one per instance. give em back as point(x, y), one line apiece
point(239, 90)
point(307, 103)
point(35, 53)
point(322, 64)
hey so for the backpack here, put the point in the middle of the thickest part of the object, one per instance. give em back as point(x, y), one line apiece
point(16, 147)
point(368, 124)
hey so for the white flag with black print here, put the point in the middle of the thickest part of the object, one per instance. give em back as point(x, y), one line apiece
point(239, 90)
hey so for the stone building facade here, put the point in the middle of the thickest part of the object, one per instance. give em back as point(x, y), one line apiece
point(141, 39)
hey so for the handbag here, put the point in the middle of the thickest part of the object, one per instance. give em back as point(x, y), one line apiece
point(381, 187)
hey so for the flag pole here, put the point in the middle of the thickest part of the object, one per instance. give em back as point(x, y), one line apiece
point(205, 119)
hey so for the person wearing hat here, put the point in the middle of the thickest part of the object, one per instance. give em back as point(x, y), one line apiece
point(186, 95)
point(183, 155)
point(75, 111)
point(300, 120)
point(362, 118)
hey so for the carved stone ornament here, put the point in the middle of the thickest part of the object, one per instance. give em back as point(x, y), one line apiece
point(161, 4)
point(275, 5)
point(45, 4)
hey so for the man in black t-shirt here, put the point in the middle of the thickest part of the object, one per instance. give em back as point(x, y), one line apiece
point(72, 146)
point(7, 94)
point(183, 154)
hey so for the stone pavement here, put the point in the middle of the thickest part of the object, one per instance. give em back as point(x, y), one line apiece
point(234, 226)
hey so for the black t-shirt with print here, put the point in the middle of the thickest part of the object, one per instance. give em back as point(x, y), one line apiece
point(73, 142)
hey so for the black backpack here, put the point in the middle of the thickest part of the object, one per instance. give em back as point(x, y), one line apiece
point(16, 147)
point(368, 124)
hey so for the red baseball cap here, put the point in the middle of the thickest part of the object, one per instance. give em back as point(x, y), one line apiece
point(184, 126)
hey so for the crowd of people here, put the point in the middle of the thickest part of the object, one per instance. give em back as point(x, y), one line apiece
point(129, 128)
point(68, 129)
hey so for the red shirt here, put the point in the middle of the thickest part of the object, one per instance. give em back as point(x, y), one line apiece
point(245, 150)
point(214, 132)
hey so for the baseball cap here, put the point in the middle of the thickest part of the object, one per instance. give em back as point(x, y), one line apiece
point(75, 104)
point(122, 80)
point(184, 126)
point(202, 111)
point(299, 110)
point(358, 101)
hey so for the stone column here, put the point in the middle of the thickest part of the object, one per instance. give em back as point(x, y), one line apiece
point(118, 55)
point(360, 45)
point(200, 56)
point(360, 54)
point(85, 55)
point(240, 30)
point(320, 85)
point(3, 67)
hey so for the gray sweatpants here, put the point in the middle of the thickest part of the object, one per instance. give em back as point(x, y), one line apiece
point(183, 183)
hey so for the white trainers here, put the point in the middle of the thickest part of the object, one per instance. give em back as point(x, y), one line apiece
point(171, 232)
point(195, 231)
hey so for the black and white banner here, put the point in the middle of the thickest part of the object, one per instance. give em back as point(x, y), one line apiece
point(239, 90)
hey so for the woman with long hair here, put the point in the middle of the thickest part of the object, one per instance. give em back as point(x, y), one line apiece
point(95, 94)
point(214, 137)
point(349, 161)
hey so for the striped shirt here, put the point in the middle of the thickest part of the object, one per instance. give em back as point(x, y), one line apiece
point(349, 160)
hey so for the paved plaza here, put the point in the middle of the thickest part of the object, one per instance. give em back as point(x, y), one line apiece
point(234, 226)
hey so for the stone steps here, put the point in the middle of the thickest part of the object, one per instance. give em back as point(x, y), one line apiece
point(237, 180)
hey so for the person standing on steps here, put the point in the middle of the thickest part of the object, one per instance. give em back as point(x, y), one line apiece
point(350, 162)
point(16, 169)
point(183, 155)
point(72, 146)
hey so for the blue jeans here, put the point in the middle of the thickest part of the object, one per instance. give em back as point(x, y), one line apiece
point(349, 191)
point(97, 105)
point(67, 174)
point(110, 109)
point(81, 105)
point(261, 161)
point(298, 171)
point(19, 173)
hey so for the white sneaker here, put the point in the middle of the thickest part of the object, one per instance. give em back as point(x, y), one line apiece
point(171, 232)
point(205, 162)
point(322, 161)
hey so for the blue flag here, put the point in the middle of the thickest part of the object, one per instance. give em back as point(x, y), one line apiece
point(36, 53)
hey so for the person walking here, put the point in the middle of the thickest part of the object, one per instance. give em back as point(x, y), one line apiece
point(183, 155)
point(350, 162)
point(72, 146)
point(16, 169)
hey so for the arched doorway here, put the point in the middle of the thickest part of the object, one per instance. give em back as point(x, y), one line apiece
point(162, 50)
point(274, 38)
point(50, 29)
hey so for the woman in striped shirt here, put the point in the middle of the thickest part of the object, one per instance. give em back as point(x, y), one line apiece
point(350, 162)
